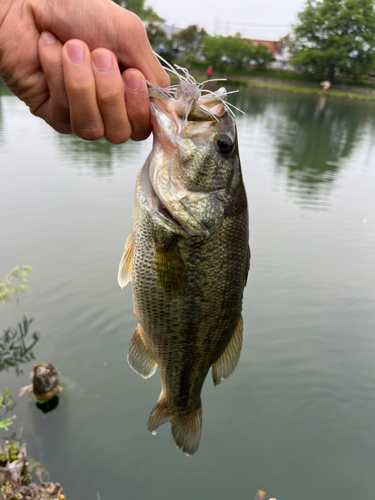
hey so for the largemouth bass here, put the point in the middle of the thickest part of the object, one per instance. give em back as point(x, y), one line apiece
point(187, 255)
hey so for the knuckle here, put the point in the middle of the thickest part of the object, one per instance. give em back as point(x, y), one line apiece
point(109, 97)
point(119, 135)
point(90, 133)
point(116, 139)
point(136, 22)
point(79, 87)
point(61, 122)
point(140, 135)
point(136, 27)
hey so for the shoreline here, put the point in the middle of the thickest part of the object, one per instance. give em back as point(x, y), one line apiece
point(296, 87)
point(337, 91)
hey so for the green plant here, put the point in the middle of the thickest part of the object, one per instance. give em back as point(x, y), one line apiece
point(9, 452)
point(13, 451)
point(13, 348)
point(5, 405)
point(15, 282)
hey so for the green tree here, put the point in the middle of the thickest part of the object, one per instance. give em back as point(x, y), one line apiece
point(227, 50)
point(262, 56)
point(160, 42)
point(190, 39)
point(156, 35)
point(188, 44)
point(335, 36)
point(138, 7)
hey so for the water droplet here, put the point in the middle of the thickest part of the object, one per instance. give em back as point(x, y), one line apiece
point(154, 432)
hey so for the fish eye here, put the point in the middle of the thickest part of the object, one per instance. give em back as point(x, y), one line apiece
point(224, 144)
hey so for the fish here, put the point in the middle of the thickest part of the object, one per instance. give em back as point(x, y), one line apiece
point(188, 253)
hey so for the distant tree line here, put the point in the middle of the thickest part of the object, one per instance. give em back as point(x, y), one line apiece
point(194, 44)
point(330, 36)
point(138, 7)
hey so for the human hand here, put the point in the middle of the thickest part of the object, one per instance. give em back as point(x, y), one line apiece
point(85, 97)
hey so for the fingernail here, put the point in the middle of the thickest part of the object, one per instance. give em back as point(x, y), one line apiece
point(76, 52)
point(102, 61)
point(132, 81)
point(47, 37)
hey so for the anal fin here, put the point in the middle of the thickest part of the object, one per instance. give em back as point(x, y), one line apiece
point(139, 357)
point(227, 362)
point(125, 267)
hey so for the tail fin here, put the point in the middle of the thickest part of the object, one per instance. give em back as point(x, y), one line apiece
point(186, 426)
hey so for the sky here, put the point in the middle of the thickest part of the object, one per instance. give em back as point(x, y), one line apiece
point(257, 19)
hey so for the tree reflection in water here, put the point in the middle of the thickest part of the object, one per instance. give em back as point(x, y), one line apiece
point(313, 150)
point(100, 156)
point(312, 137)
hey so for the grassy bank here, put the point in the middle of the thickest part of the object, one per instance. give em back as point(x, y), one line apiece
point(287, 86)
point(300, 89)
point(283, 75)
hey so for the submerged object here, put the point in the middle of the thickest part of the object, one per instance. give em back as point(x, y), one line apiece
point(45, 381)
point(187, 255)
point(45, 384)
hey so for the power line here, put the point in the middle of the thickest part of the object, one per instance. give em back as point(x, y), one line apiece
point(249, 25)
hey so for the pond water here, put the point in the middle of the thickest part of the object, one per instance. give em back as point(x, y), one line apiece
point(296, 418)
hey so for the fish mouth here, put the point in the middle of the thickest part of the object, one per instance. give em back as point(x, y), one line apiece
point(166, 213)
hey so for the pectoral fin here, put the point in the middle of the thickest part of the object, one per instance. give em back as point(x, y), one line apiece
point(139, 357)
point(170, 268)
point(125, 267)
point(227, 362)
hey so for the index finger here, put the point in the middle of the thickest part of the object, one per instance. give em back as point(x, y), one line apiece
point(103, 24)
point(135, 51)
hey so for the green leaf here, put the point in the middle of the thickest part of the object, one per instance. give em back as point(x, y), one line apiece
point(14, 282)
point(5, 423)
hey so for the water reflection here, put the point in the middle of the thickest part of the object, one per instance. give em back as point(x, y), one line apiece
point(13, 348)
point(312, 138)
point(100, 156)
point(47, 406)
